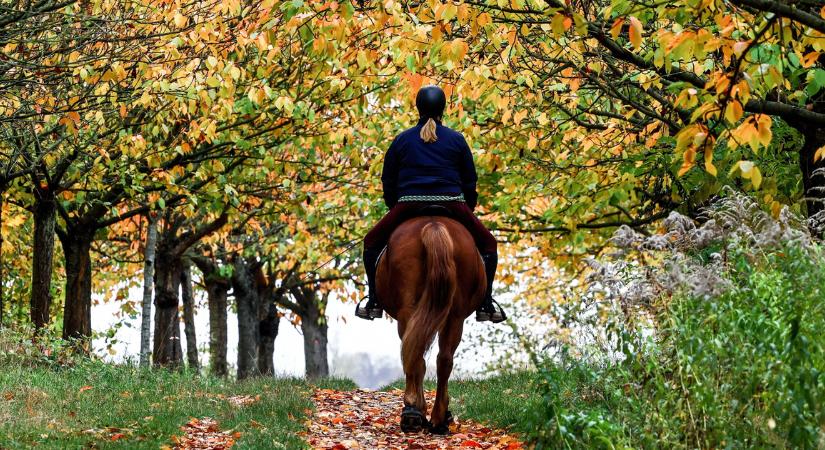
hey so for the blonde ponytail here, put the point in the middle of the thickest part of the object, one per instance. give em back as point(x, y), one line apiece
point(428, 131)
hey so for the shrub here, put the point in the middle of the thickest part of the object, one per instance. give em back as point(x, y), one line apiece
point(717, 335)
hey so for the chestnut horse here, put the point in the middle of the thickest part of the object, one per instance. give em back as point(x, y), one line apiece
point(430, 279)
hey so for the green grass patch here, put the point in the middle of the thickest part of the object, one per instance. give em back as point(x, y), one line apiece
point(78, 403)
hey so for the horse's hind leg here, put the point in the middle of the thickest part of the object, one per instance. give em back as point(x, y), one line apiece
point(414, 415)
point(448, 341)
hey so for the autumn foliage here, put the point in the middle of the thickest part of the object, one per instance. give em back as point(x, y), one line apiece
point(253, 134)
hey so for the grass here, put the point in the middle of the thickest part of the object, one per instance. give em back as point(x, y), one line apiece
point(67, 402)
point(98, 405)
point(501, 401)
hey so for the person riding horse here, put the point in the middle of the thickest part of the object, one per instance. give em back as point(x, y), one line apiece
point(430, 164)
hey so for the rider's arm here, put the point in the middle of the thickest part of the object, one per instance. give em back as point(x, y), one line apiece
point(389, 175)
point(469, 178)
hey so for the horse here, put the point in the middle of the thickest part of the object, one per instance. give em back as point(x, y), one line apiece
point(430, 279)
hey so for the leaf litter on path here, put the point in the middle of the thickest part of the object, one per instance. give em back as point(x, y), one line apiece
point(202, 434)
point(365, 419)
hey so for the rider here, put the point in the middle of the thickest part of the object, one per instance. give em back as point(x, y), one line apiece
point(430, 164)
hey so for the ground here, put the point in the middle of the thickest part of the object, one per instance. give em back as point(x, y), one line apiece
point(44, 404)
point(367, 419)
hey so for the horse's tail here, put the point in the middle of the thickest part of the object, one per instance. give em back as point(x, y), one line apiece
point(435, 303)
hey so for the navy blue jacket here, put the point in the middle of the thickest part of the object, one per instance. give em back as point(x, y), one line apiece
point(443, 167)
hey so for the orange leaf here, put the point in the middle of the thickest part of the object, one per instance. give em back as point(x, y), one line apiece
point(84, 388)
point(117, 436)
point(470, 443)
point(635, 32)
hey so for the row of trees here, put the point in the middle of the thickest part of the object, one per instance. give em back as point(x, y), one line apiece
point(192, 129)
point(249, 135)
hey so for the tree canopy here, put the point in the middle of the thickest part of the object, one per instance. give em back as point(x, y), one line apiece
point(255, 131)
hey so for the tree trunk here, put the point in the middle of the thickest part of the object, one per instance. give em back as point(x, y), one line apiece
point(268, 332)
point(167, 349)
point(813, 183)
point(314, 328)
point(77, 310)
point(45, 214)
point(216, 289)
point(2, 280)
point(246, 298)
point(148, 275)
point(189, 316)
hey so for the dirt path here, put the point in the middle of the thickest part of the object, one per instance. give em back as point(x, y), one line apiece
point(364, 419)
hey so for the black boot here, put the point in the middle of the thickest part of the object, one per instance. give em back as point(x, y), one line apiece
point(371, 310)
point(490, 310)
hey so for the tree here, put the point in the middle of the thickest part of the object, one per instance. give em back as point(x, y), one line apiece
point(217, 284)
point(149, 252)
point(173, 242)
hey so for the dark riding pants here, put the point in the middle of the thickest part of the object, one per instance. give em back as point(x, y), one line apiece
point(380, 234)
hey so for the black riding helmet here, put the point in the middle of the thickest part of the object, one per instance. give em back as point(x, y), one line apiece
point(430, 102)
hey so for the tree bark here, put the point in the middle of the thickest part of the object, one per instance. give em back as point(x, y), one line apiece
point(167, 349)
point(217, 287)
point(813, 183)
point(189, 316)
point(216, 294)
point(268, 329)
point(2, 280)
point(246, 299)
point(45, 215)
point(77, 309)
point(314, 328)
point(148, 275)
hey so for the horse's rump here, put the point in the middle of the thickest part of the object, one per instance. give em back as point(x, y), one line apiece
point(402, 273)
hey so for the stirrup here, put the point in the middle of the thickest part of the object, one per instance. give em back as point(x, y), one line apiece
point(496, 315)
point(368, 312)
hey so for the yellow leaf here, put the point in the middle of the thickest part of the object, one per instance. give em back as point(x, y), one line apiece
point(709, 167)
point(756, 177)
point(483, 19)
point(180, 20)
point(557, 24)
point(734, 112)
point(763, 129)
point(617, 27)
point(519, 116)
point(746, 167)
point(533, 142)
point(635, 32)
point(689, 160)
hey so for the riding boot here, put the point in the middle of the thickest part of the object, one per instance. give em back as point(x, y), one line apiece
point(490, 310)
point(371, 310)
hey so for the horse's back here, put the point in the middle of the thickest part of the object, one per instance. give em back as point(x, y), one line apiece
point(402, 271)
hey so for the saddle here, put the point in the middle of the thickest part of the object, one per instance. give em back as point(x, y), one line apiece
point(426, 210)
point(431, 210)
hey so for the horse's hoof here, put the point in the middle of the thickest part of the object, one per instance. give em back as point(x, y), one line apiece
point(444, 427)
point(412, 420)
